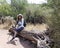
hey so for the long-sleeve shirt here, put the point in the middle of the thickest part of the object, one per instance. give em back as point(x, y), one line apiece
point(20, 23)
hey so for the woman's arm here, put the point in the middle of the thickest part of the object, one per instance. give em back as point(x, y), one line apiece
point(16, 23)
point(22, 23)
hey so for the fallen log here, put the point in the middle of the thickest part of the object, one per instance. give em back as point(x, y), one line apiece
point(36, 37)
point(25, 34)
point(29, 34)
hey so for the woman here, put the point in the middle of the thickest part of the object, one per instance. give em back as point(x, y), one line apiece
point(19, 25)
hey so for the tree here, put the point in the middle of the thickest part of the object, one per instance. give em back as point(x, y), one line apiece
point(5, 8)
point(55, 19)
point(18, 6)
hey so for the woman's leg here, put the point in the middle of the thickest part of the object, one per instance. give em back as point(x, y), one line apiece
point(15, 33)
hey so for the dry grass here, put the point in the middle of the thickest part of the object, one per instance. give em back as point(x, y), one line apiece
point(29, 27)
point(39, 27)
point(5, 26)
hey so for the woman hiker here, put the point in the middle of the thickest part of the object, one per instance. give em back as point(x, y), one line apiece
point(20, 26)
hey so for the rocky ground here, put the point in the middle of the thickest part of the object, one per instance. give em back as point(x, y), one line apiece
point(17, 43)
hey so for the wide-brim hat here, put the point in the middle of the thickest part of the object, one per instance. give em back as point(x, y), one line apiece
point(19, 15)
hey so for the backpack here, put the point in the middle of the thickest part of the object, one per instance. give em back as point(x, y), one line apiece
point(24, 23)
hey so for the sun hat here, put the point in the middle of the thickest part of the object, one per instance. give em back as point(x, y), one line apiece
point(19, 15)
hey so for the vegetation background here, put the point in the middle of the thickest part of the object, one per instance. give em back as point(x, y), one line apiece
point(33, 13)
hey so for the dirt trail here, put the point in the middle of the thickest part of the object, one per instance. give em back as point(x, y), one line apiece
point(4, 38)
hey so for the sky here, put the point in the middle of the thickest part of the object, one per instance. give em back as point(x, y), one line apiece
point(8, 1)
point(34, 1)
point(37, 1)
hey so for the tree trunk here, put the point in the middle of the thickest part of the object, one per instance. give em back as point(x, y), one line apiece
point(28, 34)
